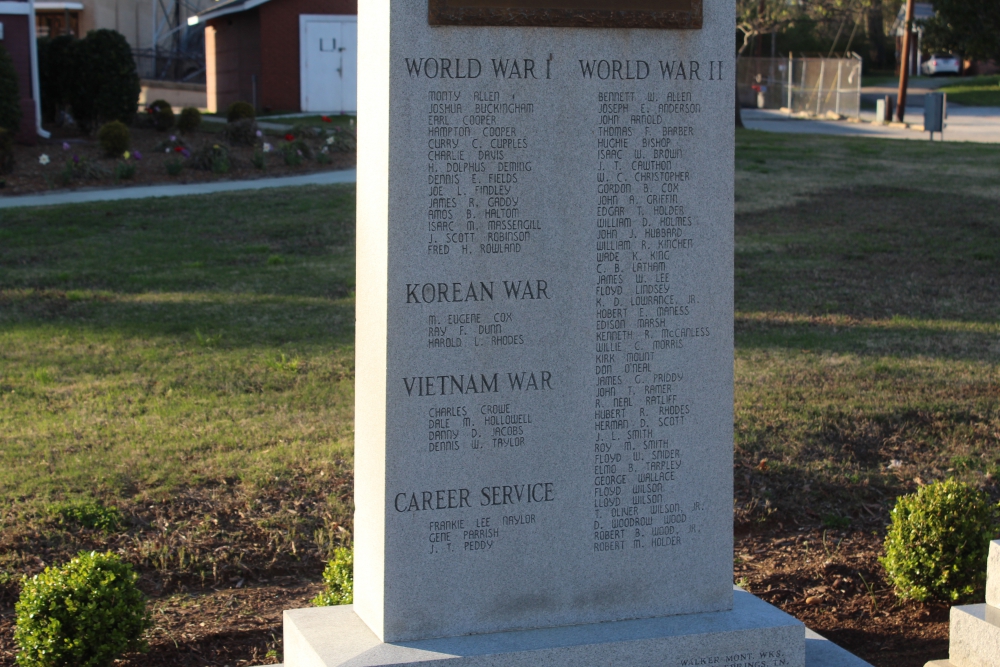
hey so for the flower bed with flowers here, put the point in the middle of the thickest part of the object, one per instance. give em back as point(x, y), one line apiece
point(69, 160)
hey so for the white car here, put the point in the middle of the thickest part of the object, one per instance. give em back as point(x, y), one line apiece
point(941, 64)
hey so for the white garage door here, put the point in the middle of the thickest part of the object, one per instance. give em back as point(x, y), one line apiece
point(329, 63)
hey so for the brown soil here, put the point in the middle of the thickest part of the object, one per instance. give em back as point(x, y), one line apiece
point(832, 581)
point(829, 579)
point(31, 177)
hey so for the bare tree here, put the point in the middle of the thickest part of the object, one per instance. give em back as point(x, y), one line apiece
point(760, 17)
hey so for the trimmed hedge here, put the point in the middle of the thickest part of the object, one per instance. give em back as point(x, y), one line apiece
point(939, 541)
point(105, 82)
point(84, 614)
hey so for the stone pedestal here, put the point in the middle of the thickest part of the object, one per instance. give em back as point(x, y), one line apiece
point(752, 634)
point(974, 636)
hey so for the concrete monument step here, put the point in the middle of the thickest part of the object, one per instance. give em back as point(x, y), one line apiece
point(750, 635)
point(975, 636)
point(993, 575)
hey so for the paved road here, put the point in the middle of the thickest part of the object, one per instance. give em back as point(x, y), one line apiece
point(141, 192)
point(916, 90)
point(978, 124)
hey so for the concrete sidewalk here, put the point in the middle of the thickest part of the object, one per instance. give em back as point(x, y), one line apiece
point(144, 191)
point(976, 124)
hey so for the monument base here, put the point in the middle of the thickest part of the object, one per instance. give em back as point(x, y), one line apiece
point(753, 634)
point(974, 637)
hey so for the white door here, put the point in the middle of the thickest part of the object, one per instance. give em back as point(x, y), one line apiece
point(329, 63)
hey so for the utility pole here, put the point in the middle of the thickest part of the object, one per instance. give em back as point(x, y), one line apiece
point(904, 67)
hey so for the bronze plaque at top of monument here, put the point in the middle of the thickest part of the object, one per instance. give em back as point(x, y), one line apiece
point(676, 14)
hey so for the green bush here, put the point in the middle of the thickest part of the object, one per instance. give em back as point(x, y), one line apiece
point(82, 169)
point(210, 157)
point(239, 111)
point(189, 120)
point(85, 614)
point(115, 138)
point(174, 166)
point(341, 140)
point(105, 82)
point(163, 115)
point(242, 132)
point(124, 170)
point(938, 542)
point(93, 515)
point(259, 159)
point(295, 151)
point(10, 97)
point(6, 151)
point(339, 579)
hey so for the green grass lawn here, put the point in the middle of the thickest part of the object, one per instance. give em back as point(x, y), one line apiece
point(981, 91)
point(189, 361)
point(192, 358)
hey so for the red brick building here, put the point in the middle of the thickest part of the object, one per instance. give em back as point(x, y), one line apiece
point(17, 34)
point(253, 51)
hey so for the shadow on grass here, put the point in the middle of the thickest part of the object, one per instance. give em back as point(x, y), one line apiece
point(873, 254)
point(207, 319)
point(896, 337)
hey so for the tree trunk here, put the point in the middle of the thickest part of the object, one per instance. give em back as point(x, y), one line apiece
point(739, 115)
point(876, 33)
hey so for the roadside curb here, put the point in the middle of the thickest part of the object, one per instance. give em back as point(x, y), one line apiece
point(149, 191)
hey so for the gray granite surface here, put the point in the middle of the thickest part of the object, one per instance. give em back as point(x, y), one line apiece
point(545, 323)
point(752, 634)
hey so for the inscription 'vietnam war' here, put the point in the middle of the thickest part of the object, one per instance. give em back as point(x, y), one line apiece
point(448, 385)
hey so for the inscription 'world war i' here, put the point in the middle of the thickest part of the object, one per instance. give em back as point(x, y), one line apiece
point(675, 14)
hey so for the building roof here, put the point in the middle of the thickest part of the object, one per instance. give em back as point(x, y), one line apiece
point(223, 8)
point(921, 11)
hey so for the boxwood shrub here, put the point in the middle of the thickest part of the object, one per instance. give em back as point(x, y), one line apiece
point(938, 542)
point(84, 614)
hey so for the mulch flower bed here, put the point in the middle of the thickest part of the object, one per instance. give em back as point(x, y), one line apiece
point(70, 160)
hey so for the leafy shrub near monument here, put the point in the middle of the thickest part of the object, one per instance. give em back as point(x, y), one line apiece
point(339, 579)
point(115, 138)
point(10, 97)
point(163, 115)
point(84, 614)
point(239, 111)
point(189, 120)
point(105, 81)
point(938, 542)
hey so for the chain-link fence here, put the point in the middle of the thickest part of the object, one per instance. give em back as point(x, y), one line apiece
point(814, 86)
point(160, 64)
